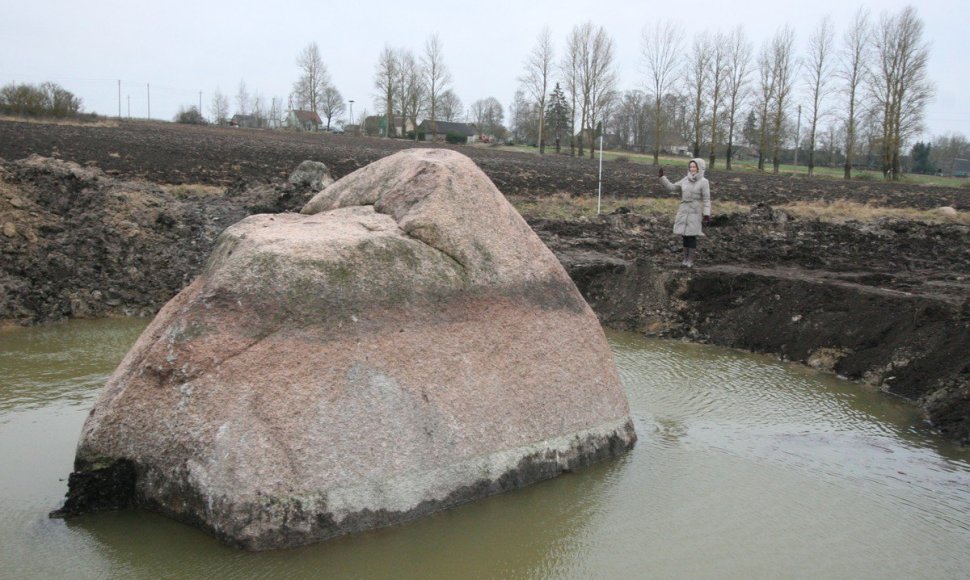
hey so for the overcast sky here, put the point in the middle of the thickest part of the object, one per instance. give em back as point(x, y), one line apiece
point(180, 48)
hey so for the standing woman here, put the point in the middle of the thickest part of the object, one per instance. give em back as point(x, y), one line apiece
point(695, 206)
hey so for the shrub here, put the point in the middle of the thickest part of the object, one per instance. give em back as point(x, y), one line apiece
point(190, 116)
point(45, 100)
point(621, 159)
point(867, 176)
point(456, 139)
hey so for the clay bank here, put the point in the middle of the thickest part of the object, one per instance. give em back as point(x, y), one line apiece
point(403, 345)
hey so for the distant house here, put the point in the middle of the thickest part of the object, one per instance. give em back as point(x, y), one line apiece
point(304, 120)
point(481, 134)
point(682, 150)
point(443, 128)
point(246, 121)
point(376, 126)
point(402, 125)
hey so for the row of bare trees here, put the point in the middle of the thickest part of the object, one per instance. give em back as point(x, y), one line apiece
point(875, 74)
point(410, 87)
point(263, 112)
point(586, 73)
point(709, 90)
point(312, 91)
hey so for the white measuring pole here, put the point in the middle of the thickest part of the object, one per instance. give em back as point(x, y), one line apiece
point(599, 193)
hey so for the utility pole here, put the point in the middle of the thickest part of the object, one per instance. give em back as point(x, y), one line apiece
point(119, 99)
point(149, 87)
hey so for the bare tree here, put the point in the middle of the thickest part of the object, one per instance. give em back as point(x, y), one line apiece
point(947, 148)
point(677, 117)
point(242, 99)
point(487, 114)
point(818, 78)
point(520, 116)
point(601, 80)
point(660, 48)
point(899, 83)
point(449, 106)
point(538, 69)
point(258, 112)
point(219, 107)
point(785, 66)
point(593, 51)
point(765, 97)
point(409, 89)
point(58, 101)
point(854, 61)
point(331, 103)
point(698, 75)
point(739, 57)
point(436, 75)
point(385, 77)
point(308, 89)
point(720, 54)
point(630, 120)
point(569, 69)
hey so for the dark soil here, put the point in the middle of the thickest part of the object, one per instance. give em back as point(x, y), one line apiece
point(88, 230)
point(171, 154)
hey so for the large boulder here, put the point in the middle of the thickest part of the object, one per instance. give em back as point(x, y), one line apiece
point(405, 345)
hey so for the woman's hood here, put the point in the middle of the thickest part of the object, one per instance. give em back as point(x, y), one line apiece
point(700, 168)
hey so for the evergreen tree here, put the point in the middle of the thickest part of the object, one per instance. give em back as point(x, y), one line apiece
point(921, 158)
point(557, 115)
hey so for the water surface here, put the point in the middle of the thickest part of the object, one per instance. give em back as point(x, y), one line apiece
point(746, 468)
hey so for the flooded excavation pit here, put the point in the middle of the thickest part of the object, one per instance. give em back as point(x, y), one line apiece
point(765, 468)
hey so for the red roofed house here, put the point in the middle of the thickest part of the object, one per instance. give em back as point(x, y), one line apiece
point(304, 120)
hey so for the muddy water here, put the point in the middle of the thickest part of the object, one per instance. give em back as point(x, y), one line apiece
point(746, 468)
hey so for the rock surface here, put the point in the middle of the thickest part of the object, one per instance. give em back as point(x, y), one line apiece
point(404, 345)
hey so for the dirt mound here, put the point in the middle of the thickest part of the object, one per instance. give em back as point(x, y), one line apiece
point(77, 242)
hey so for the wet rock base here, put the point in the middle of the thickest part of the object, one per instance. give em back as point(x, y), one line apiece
point(123, 485)
point(94, 488)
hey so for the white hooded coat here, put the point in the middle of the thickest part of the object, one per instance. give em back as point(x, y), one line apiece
point(695, 200)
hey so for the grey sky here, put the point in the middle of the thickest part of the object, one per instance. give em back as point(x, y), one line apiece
point(180, 48)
